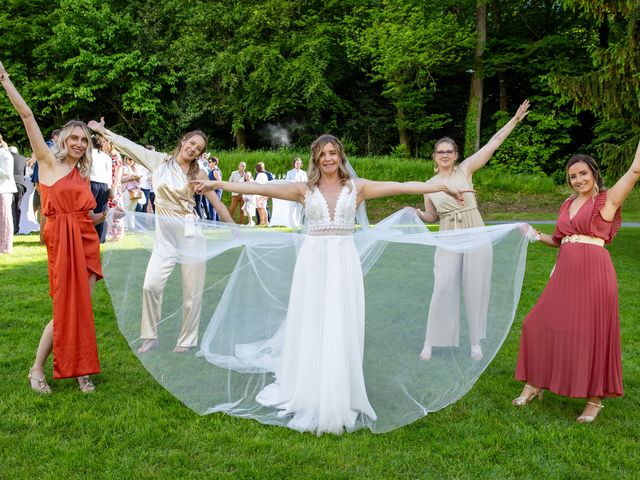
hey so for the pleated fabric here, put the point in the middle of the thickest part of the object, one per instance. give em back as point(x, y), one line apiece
point(570, 340)
point(73, 251)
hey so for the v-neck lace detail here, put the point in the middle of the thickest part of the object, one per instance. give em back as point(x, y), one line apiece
point(319, 217)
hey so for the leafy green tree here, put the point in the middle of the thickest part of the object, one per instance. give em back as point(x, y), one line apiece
point(611, 89)
point(405, 44)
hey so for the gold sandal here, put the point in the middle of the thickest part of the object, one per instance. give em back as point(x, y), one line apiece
point(39, 385)
point(590, 418)
point(85, 384)
point(523, 400)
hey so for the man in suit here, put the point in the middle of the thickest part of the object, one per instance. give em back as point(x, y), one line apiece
point(19, 170)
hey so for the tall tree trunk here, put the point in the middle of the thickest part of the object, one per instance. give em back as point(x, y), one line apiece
point(404, 136)
point(474, 111)
point(502, 76)
point(241, 138)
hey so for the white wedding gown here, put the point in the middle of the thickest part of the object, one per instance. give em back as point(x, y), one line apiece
point(319, 378)
point(284, 338)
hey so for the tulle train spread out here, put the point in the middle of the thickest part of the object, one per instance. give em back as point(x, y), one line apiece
point(317, 333)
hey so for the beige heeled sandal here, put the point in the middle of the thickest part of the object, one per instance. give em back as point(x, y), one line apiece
point(525, 399)
point(38, 384)
point(590, 418)
point(85, 384)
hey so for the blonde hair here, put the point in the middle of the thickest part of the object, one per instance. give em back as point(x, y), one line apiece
point(313, 174)
point(61, 151)
point(194, 168)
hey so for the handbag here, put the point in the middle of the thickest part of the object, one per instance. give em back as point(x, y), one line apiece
point(135, 194)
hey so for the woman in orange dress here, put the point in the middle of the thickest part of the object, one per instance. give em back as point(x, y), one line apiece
point(73, 249)
point(570, 342)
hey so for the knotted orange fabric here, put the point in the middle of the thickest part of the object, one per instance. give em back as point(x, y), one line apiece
point(73, 251)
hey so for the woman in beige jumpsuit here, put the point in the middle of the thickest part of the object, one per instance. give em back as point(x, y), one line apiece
point(173, 199)
point(452, 270)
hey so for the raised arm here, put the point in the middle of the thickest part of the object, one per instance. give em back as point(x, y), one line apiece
point(368, 189)
point(38, 145)
point(147, 158)
point(617, 194)
point(482, 156)
point(285, 191)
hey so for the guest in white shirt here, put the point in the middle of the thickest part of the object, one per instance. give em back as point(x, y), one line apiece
point(7, 189)
point(296, 174)
point(100, 177)
point(237, 176)
point(261, 202)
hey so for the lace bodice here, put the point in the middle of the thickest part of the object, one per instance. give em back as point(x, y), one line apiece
point(319, 219)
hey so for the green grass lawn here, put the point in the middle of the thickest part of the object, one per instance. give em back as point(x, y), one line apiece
point(132, 428)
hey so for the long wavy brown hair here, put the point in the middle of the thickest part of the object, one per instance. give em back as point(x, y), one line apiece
point(313, 173)
point(61, 151)
point(194, 168)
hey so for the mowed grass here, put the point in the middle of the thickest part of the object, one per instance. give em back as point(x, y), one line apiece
point(132, 428)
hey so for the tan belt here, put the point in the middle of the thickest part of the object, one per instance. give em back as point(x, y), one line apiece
point(575, 238)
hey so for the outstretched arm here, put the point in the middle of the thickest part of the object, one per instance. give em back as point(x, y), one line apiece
point(147, 158)
point(617, 194)
point(368, 189)
point(482, 156)
point(38, 145)
point(285, 191)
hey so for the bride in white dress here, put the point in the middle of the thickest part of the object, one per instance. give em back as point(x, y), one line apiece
point(319, 372)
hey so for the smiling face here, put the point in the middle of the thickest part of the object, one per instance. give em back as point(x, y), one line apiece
point(581, 178)
point(77, 143)
point(192, 147)
point(328, 159)
point(445, 156)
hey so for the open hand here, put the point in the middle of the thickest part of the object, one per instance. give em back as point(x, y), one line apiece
point(97, 127)
point(523, 111)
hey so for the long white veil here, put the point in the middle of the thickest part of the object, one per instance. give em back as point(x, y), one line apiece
point(245, 297)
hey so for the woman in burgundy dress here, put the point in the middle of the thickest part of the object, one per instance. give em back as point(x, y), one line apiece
point(570, 342)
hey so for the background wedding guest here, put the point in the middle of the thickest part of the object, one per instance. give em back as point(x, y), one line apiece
point(261, 201)
point(296, 174)
point(237, 176)
point(214, 174)
point(100, 176)
point(7, 189)
point(19, 171)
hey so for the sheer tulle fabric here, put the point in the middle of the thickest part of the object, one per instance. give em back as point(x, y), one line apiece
point(252, 280)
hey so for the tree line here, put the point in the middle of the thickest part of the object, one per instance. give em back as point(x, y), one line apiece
point(387, 76)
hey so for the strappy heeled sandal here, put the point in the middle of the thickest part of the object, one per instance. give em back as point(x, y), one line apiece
point(38, 384)
point(590, 418)
point(85, 384)
point(523, 400)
